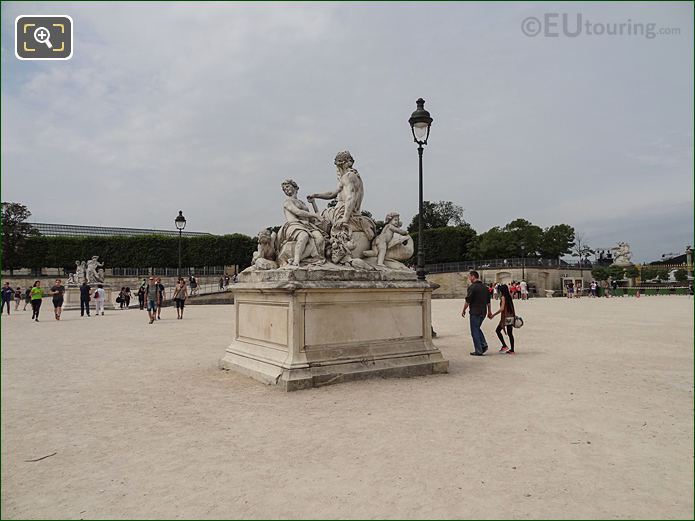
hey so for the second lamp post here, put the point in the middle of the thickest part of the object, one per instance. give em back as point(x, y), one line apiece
point(420, 122)
point(180, 223)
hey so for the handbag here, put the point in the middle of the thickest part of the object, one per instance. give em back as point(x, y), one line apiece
point(518, 322)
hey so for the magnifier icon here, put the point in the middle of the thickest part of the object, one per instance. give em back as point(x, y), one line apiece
point(43, 35)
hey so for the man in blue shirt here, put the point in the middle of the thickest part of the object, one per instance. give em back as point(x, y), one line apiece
point(7, 296)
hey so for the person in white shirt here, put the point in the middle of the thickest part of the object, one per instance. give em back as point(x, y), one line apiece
point(524, 290)
point(99, 296)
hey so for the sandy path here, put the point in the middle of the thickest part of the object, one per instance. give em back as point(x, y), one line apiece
point(593, 418)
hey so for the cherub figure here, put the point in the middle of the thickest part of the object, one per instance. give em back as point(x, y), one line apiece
point(382, 242)
point(264, 258)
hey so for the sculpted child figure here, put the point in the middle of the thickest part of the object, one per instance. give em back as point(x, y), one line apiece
point(383, 240)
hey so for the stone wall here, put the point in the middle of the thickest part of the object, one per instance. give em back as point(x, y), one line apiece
point(454, 285)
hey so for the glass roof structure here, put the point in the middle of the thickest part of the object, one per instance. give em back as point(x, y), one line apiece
point(74, 230)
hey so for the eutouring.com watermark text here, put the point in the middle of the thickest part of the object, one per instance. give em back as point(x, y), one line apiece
point(573, 25)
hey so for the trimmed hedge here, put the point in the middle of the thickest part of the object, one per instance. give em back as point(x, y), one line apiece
point(152, 251)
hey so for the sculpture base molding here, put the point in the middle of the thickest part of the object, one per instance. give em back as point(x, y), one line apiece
point(72, 298)
point(298, 335)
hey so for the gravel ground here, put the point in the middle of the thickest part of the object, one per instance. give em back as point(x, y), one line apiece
point(593, 418)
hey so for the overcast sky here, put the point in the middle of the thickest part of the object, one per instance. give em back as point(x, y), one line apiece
point(208, 107)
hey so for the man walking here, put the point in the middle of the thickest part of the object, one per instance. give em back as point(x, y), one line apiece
point(152, 297)
point(478, 300)
point(160, 297)
point(84, 298)
point(7, 296)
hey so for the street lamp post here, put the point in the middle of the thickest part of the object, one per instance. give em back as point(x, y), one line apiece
point(180, 223)
point(420, 122)
point(523, 260)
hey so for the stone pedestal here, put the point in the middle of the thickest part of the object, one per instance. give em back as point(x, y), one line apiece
point(72, 298)
point(301, 329)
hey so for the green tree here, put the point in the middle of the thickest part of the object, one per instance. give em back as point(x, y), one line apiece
point(600, 273)
point(616, 272)
point(15, 232)
point(631, 272)
point(448, 244)
point(681, 275)
point(492, 244)
point(557, 240)
point(653, 272)
point(438, 215)
point(519, 238)
point(525, 237)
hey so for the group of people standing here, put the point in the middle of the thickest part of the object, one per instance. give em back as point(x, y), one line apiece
point(224, 281)
point(34, 296)
point(518, 290)
point(596, 289)
point(86, 297)
point(478, 304)
point(152, 292)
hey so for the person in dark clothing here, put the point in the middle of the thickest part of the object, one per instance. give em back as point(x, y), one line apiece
point(141, 297)
point(27, 298)
point(507, 314)
point(7, 296)
point(84, 298)
point(58, 292)
point(478, 300)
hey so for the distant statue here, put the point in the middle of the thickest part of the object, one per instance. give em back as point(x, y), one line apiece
point(300, 238)
point(94, 274)
point(622, 255)
point(80, 271)
point(78, 276)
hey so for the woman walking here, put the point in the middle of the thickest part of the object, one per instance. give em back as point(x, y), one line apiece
point(58, 292)
point(27, 298)
point(126, 296)
point(180, 294)
point(17, 298)
point(36, 295)
point(507, 314)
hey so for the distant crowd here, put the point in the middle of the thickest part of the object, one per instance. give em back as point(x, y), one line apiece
point(150, 295)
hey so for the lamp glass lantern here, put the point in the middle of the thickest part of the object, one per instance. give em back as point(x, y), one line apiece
point(420, 122)
point(180, 221)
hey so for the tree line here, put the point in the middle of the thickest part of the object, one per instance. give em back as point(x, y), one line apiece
point(449, 238)
point(23, 247)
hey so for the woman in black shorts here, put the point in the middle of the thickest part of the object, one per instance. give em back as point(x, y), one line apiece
point(180, 295)
point(58, 291)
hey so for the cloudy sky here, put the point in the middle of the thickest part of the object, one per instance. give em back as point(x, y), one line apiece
point(207, 107)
